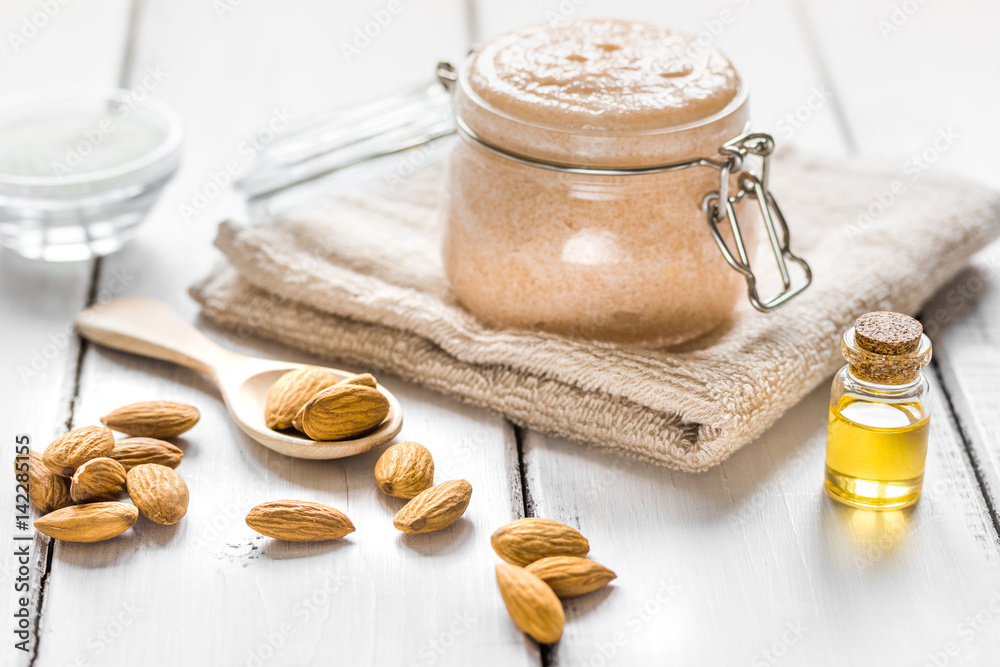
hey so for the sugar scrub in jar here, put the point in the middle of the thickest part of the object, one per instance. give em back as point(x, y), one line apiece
point(551, 222)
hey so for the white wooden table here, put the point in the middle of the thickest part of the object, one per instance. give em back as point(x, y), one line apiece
point(747, 564)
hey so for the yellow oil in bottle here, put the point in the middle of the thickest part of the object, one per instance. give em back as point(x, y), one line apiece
point(875, 452)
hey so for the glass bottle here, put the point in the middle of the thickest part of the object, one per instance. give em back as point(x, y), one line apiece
point(879, 414)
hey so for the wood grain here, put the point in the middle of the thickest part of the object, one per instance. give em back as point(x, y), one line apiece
point(921, 95)
point(209, 590)
point(751, 563)
point(748, 563)
point(80, 45)
point(751, 557)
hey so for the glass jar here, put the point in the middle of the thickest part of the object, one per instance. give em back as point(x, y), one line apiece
point(879, 419)
point(578, 213)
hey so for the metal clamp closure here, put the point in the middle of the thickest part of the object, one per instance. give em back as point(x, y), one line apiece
point(752, 186)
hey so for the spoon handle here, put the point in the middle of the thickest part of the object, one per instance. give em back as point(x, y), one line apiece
point(152, 329)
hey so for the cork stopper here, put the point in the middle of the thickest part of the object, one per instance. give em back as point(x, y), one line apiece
point(883, 332)
point(886, 348)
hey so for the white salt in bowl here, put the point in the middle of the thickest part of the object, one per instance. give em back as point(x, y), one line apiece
point(80, 169)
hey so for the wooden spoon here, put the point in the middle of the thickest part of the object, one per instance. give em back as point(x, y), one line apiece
point(150, 328)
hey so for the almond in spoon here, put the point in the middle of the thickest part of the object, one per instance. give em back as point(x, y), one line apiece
point(363, 379)
point(342, 412)
point(292, 391)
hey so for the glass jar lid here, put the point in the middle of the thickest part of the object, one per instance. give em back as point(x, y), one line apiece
point(600, 92)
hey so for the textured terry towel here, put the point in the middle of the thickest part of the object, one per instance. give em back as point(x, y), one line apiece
point(359, 279)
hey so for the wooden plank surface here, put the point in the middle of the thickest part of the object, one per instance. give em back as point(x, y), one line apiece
point(39, 301)
point(748, 563)
point(751, 562)
point(226, 594)
point(926, 109)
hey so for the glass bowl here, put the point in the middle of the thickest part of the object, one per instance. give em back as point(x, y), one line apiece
point(80, 169)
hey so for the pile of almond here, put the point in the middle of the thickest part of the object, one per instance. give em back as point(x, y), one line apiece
point(545, 563)
point(405, 470)
point(316, 402)
point(76, 483)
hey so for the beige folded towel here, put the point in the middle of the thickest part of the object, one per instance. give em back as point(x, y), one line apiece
point(359, 279)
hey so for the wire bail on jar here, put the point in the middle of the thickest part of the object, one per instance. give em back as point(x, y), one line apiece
point(718, 205)
point(754, 187)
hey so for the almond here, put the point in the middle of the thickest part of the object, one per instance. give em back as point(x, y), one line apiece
point(363, 379)
point(46, 489)
point(292, 391)
point(532, 605)
point(152, 419)
point(436, 508)
point(570, 576)
point(299, 521)
point(102, 478)
point(64, 455)
point(131, 452)
point(341, 412)
point(159, 493)
point(527, 540)
point(404, 470)
point(93, 522)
